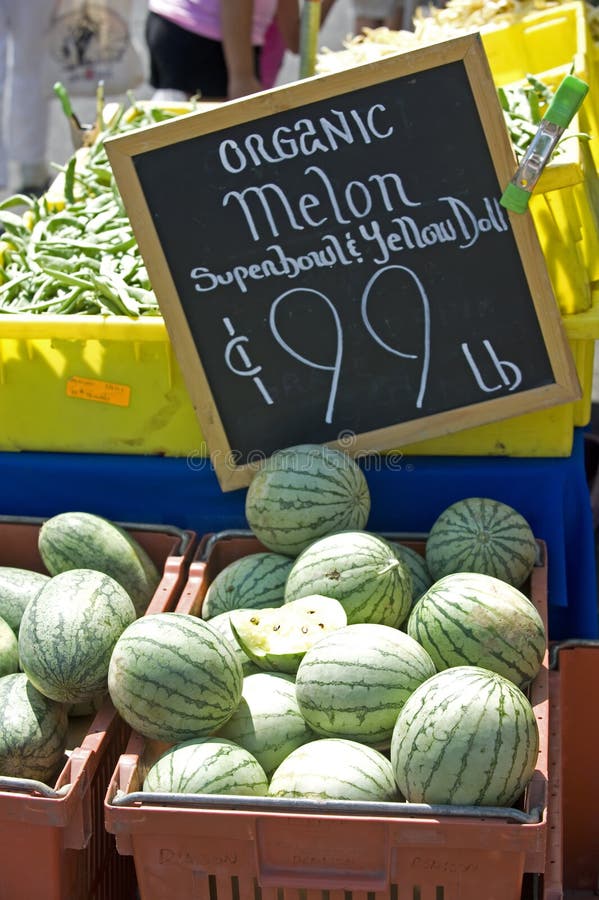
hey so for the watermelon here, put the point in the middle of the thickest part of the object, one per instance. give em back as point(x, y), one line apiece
point(472, 619)
point(9, 650)
point(68, 633)
point(79, 540)
point(277, 639)
point(256, 581)
point(17, 588)
point(353, 683)
point(33, 730)
point(268, 721)
point(222, 623)
point(466, 736)
point(303, 493)
point(334, 769)
point(421, 577)
point(358, 569)
point(478, 534)
point(210, 765)
point(174, 677)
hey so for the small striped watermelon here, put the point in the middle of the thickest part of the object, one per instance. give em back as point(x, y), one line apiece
point(210, 765)
point(334, 769)
point(174, 677)
point(80, 540)
point(358, 569)
point(268, 721)
point(33, 730)
point(472, 619)
point(303, 493)
point(17, 587)
point(222, 623)
point(256, 581)
point(479, 534)
point(9, 650)
point(277, 639)
point(68, 633)
point(466, 736)
point(353, 683)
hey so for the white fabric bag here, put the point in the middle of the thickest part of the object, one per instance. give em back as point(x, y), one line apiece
point(90, 41)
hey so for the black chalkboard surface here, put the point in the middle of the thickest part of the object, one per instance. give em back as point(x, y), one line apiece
point(333, 264)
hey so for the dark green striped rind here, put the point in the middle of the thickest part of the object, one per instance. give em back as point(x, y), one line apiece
point(68, 633)
point(334, 769)
point(466, 736)
point(255, 581)
point(472, 619)
point(421, 577)
point(222, 623)
point(174, 677)
point(353, 683)
point(268, 721)
point(358, 569)
point(303, 493)
point(207, 766)
point(481, 535)
point(17, 588)
point(33, 730)
point(9, 650)
point(78, 540)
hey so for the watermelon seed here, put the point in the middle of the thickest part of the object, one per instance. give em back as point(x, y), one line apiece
point(304, 629)
point(255, 620)
point(275, 627)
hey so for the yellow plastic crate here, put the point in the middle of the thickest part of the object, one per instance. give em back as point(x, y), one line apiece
point(93, 385)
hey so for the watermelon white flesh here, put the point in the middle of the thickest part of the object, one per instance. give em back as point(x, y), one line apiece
point(466, 736)
point(472, 619)
point(353, 683)
point(256, 581)
point(268, 721)
point(303, 493)
point(222, 623)
point(207, 766)
point(33, 730)
point(174, 677)
point(334, 769)
point(479, 534)
point(68, 632)
point(358, 569)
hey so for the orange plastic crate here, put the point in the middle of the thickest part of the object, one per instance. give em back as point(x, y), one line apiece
point(53, 844)
point(241, 848)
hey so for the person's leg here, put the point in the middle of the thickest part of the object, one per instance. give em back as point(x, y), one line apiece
point(28, 104)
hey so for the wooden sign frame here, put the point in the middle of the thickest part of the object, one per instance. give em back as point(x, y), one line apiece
point(122, 152)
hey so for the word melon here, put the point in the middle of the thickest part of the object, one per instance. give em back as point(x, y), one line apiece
point(478, 534)
point(277, 639)
point(9, 650)
point(68, 633)
point(268, 721)
point(207, 766)
point(17, 587)
point(358, 569)
point(256, 581)
point(174, 677)
point(79, 540)
point(33, 730)
point(467, 736)
point(472, 619)
point(334, 769)
point(303, 493)
point(353, 683)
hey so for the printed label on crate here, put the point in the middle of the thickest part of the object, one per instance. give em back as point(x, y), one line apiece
point(99, 391)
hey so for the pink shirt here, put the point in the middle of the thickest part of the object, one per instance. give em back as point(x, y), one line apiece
point(203, 16)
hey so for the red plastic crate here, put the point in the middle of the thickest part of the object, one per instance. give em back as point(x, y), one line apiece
point(53, 844)
point(225, 848)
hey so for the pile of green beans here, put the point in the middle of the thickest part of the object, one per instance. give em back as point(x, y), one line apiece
point(80, 257)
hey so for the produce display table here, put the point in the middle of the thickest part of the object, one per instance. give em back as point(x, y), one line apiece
point(407, 495)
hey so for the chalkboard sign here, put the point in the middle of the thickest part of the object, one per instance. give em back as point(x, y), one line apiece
point(333, 264)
